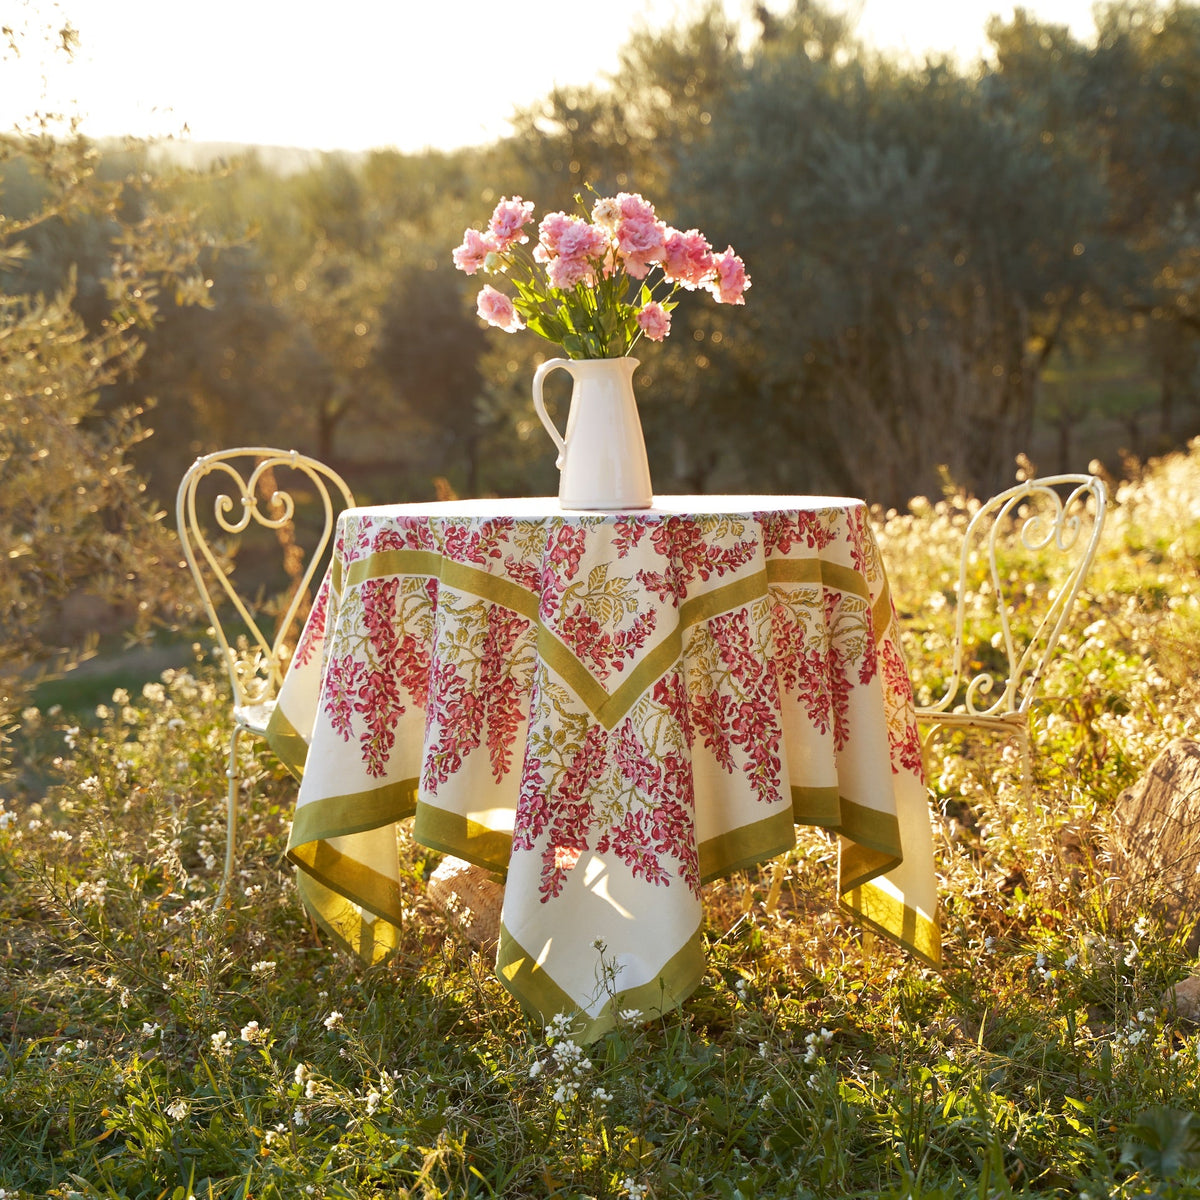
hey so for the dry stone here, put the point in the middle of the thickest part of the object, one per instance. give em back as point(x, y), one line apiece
point(1184, 999)
point(1155, 835)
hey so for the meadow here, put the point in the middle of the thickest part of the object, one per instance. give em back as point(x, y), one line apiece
point(155, 1048)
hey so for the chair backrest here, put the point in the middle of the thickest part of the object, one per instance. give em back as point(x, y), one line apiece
point(1056, 518)
point(255, 485)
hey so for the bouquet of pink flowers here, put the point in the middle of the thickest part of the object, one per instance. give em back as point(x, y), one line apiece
point(594, 287)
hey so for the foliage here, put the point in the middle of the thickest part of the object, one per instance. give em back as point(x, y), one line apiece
point(947, 262)
point(155, 1047)
point(78, 534)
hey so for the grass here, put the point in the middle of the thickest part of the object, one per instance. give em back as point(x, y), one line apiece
point(154, 1048)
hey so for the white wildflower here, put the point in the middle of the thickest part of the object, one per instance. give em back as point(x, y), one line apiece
point(60, 835)
point(601, 1095)
point(334, 1020)
point(263, 967)
point(148, 1030)
point(301, 1073)
point(253, 1033)
point(630, 1014)
point(91, 891)
point(298, 1119)
point(374, 1099)
point(178, 1109)
point(220, 1043)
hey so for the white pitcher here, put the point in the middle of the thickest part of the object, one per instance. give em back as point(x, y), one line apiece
point(602, 459)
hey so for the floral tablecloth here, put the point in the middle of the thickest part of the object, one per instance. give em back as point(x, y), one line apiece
point(610, 710)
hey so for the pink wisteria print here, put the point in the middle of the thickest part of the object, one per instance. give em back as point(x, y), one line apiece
point(594, 284)
point(502, 638)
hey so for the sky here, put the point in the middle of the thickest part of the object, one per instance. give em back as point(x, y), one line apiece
point(367, 74)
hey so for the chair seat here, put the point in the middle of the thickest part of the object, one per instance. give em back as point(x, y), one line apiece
point(933, 716)
point(254, 717)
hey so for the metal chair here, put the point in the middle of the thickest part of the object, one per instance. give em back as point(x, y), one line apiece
point(248, 491)
point(1036, 517)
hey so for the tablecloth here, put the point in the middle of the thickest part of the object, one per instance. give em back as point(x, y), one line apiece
point(608, 710)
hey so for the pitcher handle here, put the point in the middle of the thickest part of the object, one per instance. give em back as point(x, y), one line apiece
point(540, 406)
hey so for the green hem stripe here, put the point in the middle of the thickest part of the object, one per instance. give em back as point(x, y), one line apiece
point(370, 941)
point(896, 921)
point(870, 828)
point(350, 880)
point(881, 613)
point(459, 576)
point(744, 847)
point(817, 806)
point(540, 996)
point(338, 816)
point(858, 865)
point(285, 740)
point(452, 833)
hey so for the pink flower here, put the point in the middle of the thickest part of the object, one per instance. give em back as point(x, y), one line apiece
point(509, 220)
point(687, 258)
point(634, 208)
point(565, 273)
point(497, 309)
point(640, 244)
point(571, 237)
point(475, 248)
point(731, 278)
point(654, 321)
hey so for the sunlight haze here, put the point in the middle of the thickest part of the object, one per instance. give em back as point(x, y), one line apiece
point(370, 74)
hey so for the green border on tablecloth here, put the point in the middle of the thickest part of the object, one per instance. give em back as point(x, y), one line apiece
point(334, 909)
point(452, 833)
point(898, 922)
point(355, 812)
point(746, 846)
point(287, 743)
point(540, 996)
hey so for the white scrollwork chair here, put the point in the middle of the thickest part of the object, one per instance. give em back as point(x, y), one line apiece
point(253, 486)
point(1059, 515)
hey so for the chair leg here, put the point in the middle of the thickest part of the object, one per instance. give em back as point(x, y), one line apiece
point(231, 815)
point(1026, 740)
